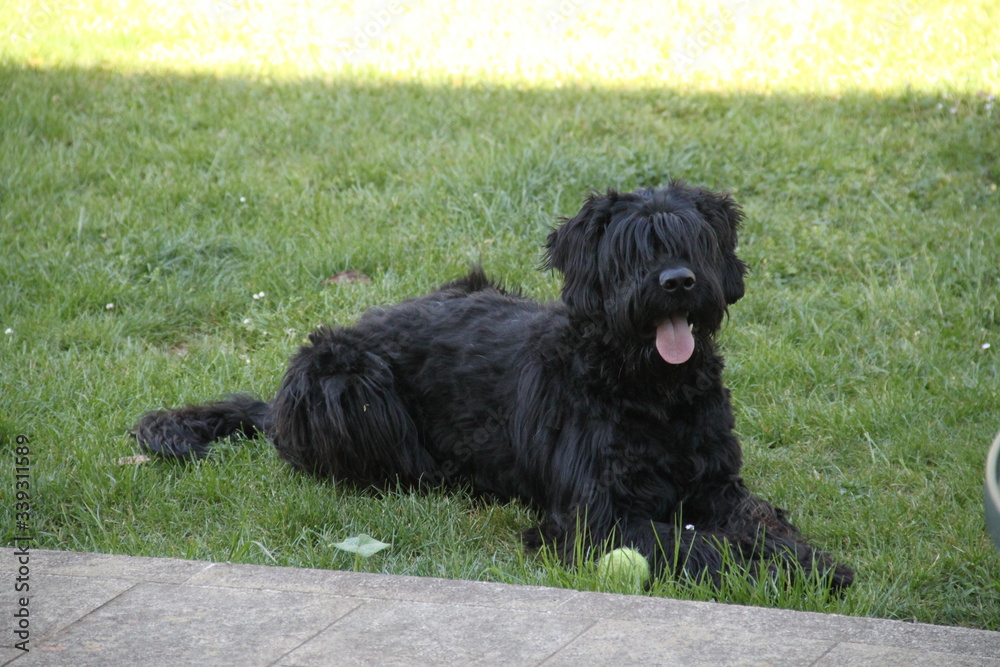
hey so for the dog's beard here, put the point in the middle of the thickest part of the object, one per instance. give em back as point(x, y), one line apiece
point(674, 339)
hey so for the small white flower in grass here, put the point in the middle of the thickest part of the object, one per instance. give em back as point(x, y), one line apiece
point(259, 295)
point(246, 321)
point(689, 526)
point(985, 346)
point(9, 332)
point(110, 306)
point(243, 199)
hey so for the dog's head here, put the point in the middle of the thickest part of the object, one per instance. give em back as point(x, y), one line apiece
point(658, 265)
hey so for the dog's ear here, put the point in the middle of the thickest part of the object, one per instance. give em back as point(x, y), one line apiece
point(725, 216)
point(572, 249)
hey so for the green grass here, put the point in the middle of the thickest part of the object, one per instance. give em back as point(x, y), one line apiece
point(175, 168)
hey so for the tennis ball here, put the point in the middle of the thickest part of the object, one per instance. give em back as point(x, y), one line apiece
point(624, 565)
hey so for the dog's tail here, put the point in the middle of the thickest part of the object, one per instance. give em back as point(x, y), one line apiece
point(188, 432)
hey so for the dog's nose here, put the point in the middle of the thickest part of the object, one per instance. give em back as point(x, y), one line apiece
point(675, 279)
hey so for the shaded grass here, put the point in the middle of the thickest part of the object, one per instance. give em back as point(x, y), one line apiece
point(865, 397)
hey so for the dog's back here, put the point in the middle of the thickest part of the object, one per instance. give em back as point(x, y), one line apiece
point(433, 378)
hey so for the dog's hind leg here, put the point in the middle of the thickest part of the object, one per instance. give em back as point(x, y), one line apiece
point(188, 432)
point(339, 415)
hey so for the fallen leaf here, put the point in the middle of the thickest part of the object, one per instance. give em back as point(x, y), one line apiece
point(363, 545)
point(348, 276)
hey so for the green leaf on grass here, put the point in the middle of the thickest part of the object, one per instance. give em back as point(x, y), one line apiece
point(363, 545)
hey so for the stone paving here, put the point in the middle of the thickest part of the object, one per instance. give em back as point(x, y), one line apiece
point(93, 609)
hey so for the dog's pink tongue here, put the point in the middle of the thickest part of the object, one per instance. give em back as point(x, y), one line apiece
point(674, 341)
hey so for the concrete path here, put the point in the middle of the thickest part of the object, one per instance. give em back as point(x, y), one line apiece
point(92, 609)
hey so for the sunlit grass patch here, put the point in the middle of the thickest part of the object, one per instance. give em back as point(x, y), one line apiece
point(748, 45)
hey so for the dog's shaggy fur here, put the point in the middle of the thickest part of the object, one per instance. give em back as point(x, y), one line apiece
point(605, 410)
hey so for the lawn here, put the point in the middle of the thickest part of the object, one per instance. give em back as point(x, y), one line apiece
point(178, 181)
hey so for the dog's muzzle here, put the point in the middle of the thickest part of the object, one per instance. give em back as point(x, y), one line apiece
point(674, 337)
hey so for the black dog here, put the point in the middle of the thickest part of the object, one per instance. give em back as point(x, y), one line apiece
point(605, 410)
